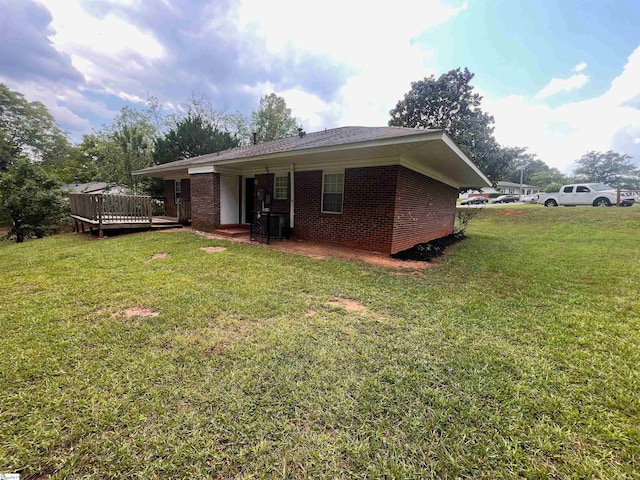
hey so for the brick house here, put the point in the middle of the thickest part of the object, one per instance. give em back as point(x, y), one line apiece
point(376, 188)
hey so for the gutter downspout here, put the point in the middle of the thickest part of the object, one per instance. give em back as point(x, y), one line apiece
point(292, 201)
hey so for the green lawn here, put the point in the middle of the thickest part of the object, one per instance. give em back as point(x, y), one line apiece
point(518, 355)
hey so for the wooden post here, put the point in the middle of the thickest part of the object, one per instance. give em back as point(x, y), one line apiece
point(618, 197)
point(100, 200)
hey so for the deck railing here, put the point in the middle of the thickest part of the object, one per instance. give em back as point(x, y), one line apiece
point(184, 211)
point(111, 208)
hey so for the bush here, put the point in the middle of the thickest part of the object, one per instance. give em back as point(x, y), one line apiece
point(30, 200)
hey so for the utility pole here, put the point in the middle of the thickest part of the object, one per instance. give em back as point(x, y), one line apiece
point(521, 177)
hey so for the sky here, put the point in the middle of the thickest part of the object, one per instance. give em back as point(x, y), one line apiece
point(560, 77)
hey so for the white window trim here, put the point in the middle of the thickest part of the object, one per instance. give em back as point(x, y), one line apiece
point(177, 189)
point(332, 172)
point(275, 190)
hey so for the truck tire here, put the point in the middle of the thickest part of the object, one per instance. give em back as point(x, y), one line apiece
point(601, 202)
point(550, 203)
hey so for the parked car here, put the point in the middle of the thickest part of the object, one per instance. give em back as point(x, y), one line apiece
point(506, 199)
point(596, 194)
point(478, 200)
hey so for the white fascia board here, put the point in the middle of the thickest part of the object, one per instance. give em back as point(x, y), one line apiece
point(452, 145)
point(204, 169)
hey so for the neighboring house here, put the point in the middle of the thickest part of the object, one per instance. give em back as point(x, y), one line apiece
point(377, 188)
point(516, 188)
point(503, 188)
point(94, 187)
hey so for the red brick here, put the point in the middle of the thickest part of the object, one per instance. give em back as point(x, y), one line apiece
point(205, 201)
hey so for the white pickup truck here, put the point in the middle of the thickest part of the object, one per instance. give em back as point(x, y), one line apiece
point(596, 194)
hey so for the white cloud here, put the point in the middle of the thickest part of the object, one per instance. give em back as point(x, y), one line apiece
point(557, 85)
point(373, 38)
point(580, 67)
point(560, 135)
point(88, 39)
point(61, 102)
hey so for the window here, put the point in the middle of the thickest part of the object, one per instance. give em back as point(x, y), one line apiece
point(582, 189)
point(332, 192)
point(567, 190)
point(177, 189)
point(281, 187)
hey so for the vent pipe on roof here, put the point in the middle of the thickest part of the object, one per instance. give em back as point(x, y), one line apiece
point(301, 132)
point(255, 138)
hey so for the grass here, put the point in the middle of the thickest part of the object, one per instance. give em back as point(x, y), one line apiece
point(516, 356)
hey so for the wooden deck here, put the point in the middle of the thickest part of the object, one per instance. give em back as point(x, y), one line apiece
point(116, 212)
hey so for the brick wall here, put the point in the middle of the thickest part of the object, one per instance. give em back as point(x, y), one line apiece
point(366, 220)
point(205, 201)
point(386, 209)
point(185, 186)
point(425, 209)
point(266, 181)
point(170, 207)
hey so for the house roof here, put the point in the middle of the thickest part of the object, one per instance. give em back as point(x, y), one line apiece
point(514, 184)
point(432, 149)
point(83, 187)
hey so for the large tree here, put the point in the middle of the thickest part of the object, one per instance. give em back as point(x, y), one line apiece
point(273, 119)
point(192, 136)
point(609, 167)
point(449, 103)
point(122, 147)
point(30, 200)
point(27, 129)
point(545, 178)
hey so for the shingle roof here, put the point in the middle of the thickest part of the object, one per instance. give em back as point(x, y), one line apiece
point(326, 138)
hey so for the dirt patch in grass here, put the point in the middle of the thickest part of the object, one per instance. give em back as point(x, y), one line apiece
point(213, 249)
point(159, 256)
point(136, 312)
point(348, 305)
point(507, 213)
point(324, 251)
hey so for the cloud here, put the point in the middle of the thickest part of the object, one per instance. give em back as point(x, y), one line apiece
point(580, 67)
point(27, 53)
point(558, 85)
point(128, 50)
point(330, 70)
point(373, 38)
point(562, 134)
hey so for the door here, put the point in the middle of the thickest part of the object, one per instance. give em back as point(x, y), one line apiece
point(565, 197)
point(229, 199)
point(249, 195)
point(582, 195)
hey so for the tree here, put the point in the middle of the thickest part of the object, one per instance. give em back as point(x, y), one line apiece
point(122, 147)
point(525, 164)
point(191, 137)
point(27, 129)
point(7, 151)
point(609, 167)
point(449, 103)
point(552, 176)
point(273, 119)
point(30, 199)
point(553, 187)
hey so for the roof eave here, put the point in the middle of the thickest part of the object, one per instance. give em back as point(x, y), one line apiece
point(205, 160)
